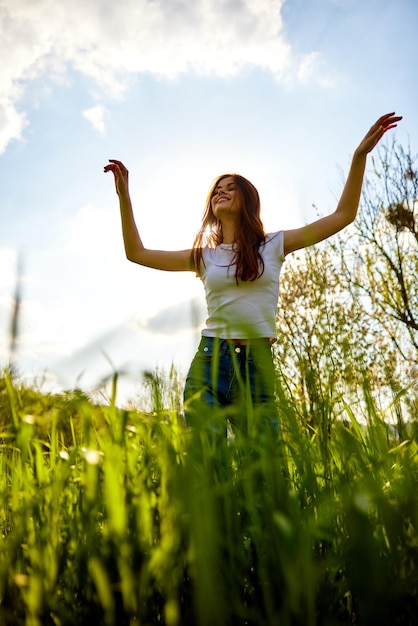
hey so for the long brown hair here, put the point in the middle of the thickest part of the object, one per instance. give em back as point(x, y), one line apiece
point(249, 234)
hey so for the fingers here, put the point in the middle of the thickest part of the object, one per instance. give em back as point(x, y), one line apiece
point(115, 166)
point(389, 127)
point(384, 117)
point(117, 163)
point(389, 120)
point(112, 167)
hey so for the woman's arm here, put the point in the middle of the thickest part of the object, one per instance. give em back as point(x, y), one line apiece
point(347, 207)
point(178, 260)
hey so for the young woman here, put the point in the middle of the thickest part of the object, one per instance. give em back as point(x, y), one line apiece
point(239, 265)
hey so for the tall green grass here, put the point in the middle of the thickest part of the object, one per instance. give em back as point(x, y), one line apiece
point(121, 517)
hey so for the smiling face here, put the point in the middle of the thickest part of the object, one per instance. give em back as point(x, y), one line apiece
point(226, 198)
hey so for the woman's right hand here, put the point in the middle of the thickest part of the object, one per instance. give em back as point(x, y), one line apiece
point(121, 175)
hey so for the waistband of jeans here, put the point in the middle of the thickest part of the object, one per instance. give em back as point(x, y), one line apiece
point(255, 341)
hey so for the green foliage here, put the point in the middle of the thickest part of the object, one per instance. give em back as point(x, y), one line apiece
point(381, 261)
point(136, 519)
point(348, 310)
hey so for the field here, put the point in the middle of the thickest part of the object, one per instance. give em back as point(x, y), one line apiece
point(117, 517)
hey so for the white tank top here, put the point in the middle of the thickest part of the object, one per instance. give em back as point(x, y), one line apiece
point(248, 309)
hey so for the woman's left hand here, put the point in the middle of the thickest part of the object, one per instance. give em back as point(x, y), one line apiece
point(376, 132)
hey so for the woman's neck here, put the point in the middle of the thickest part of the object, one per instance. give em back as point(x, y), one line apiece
point(228, 232)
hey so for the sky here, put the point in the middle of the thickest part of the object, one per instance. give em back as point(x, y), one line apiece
point(280, 91)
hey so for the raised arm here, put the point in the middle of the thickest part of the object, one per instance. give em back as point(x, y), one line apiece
point(176, 260)
point(347, 207)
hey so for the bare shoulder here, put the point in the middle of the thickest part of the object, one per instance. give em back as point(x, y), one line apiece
point(293, 240)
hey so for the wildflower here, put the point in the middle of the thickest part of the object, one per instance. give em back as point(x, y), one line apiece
point(91, 456)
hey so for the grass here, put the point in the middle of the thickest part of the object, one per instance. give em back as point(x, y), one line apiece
point(121, 517)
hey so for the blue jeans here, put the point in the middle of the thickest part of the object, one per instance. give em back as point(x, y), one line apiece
point(238, 378)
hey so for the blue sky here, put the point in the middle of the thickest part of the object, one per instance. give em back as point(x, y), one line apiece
point(181, 91)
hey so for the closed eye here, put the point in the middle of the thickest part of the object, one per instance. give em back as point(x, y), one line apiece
point(230, 187)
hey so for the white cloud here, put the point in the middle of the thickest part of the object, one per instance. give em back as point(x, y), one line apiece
point(12, 122)
point(110, 42)
point(92, 230)
point(307, 66)
point(311, 68)
point(95, 116)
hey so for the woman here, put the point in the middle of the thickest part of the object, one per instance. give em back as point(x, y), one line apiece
point(239, 265)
